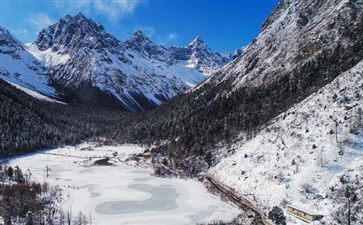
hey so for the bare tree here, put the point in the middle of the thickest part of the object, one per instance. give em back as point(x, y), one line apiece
point(80, 219)
point(61, 218)
point(69, 216)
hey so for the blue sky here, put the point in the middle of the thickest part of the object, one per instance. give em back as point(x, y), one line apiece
point(223, 24)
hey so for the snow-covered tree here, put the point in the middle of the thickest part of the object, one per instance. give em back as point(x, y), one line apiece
point(18, 175)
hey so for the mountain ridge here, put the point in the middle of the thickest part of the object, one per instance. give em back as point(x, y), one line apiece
point(137, 73)
point(19, 67)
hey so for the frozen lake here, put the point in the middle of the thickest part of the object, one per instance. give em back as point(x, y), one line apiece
point(122, 194)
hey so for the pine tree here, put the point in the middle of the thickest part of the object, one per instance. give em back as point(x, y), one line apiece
point(18, 175)
point(10, 172)
point(29, 219)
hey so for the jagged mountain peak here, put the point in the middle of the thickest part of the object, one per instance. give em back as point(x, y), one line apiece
point(141, 44)
point(203, 58)
point(83, 20)
point(3, 30)
point(71, 33)
point(80, 15)
point(198, 38)
point(80, 21)
point(139, 36)
point(197, 42)
point(6, 39)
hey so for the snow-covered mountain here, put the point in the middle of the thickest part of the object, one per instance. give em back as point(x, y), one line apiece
point(19, 67)
point(303, 47)
point(90, 65)
point(312, 150)
point(239, 52)
point(294, 38)
point(203, 58)
point(306, 156)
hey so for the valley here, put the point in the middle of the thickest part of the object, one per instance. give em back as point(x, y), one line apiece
point(144, 132)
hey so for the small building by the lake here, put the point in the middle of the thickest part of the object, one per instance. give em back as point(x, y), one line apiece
point(303, 214)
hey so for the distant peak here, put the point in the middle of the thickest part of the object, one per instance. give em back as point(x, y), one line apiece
point(138, 36)
point(83, 18)
point(83, 21)
point(67, 17)
point(197, 41)
point(139, 33)
point(198, 38)
point(3, 30)
point(80, 15)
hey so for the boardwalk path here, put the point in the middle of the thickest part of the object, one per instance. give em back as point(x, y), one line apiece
point(239, 201)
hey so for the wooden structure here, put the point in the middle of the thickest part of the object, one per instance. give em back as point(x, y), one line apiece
point(238, 200)
point(303, 214)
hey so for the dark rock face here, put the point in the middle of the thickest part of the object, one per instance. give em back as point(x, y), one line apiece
point(140, 43)
point(303, 20)
point(103, 162)
point(180, 53)
point(7, 40)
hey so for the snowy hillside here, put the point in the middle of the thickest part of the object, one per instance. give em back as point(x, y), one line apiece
point(19, 67)
point(306, 156)
point(34, 94)
point(80, 54)
point(298, 35)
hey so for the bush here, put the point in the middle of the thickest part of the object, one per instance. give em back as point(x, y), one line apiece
point(277, 216)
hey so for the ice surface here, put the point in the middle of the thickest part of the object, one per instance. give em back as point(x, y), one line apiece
point(122, 194)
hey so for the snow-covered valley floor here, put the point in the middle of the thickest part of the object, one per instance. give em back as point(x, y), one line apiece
point(121, 193)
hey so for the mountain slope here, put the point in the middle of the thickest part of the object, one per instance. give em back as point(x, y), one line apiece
point(18, 66)
point(90, 65)
point(278, 70)
point(301, 157)
point(31, 124)
point(308, 31)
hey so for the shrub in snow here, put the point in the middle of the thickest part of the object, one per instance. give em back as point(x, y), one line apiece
point(277, 216)
point(344, 179)
point(308, 189)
